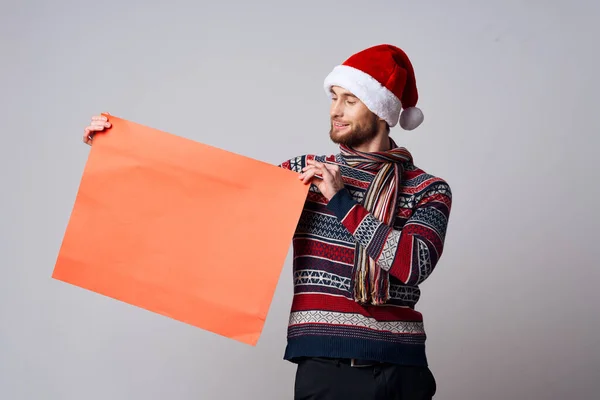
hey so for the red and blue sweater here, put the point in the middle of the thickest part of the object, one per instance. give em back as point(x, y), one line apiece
point(325, 321)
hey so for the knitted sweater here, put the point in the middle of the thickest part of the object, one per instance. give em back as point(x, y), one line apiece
point(325, 321)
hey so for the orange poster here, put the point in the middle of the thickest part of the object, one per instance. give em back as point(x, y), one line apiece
point(182, 229)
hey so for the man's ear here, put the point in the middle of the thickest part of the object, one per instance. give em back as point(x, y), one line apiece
point(382, 121)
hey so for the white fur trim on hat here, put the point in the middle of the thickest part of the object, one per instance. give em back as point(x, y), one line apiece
point(379, 99)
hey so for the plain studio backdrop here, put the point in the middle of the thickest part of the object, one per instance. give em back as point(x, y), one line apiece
point(508, 89)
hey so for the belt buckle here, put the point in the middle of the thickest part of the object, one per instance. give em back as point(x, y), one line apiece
point(354, 365)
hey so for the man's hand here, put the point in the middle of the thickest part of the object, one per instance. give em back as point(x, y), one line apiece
point(325, 176)
point(97, 124)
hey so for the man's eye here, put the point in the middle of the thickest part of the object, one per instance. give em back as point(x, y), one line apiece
point(351, 102)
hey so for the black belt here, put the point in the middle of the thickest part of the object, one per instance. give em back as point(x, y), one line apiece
point(359, 362)
point(353, 362)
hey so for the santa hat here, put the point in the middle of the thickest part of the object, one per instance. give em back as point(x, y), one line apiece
point(382, 77)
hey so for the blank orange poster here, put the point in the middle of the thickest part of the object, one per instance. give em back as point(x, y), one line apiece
point(182, 229)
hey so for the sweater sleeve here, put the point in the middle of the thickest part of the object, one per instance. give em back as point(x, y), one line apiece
point(410, 254)
point(293, 164)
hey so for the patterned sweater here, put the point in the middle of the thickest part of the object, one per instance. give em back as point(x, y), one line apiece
point(325, 321)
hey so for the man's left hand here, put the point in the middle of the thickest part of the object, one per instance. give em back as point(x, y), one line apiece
point(325, 176)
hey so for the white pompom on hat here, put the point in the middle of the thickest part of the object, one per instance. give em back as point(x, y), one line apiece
point(382, 77)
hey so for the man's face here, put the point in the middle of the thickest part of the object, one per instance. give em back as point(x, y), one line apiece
point(352, 123)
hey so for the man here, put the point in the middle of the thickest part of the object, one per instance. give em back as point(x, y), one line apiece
point(372, 230)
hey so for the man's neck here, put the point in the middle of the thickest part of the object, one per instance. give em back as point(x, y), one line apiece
point(381, 142)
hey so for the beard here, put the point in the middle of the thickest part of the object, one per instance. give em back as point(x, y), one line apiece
point(358, 133)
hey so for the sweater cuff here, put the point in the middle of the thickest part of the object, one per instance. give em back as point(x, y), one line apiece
point(341, 203)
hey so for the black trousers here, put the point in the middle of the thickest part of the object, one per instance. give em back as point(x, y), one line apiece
point(325, 379)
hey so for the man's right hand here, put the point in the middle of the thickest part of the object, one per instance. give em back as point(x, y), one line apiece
point(97, 124)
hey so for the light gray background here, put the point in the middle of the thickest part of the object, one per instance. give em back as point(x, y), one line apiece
point(509, 90)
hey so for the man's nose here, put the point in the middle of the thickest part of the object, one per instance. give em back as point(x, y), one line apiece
point(335, 110)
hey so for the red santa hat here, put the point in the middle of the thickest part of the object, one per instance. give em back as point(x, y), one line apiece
point(382, 77)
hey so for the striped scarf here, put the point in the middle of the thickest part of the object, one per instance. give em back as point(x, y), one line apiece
point(370, 282)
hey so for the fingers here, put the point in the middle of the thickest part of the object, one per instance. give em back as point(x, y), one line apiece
point(331, 181)
point(309, 174)
point(324, 169)
point(100, 121)
point(97, 126)
point(99, 118)
point(90, 131)
point(316, 169)
point(97, 123)
point(329, 167)
point(332, 168)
